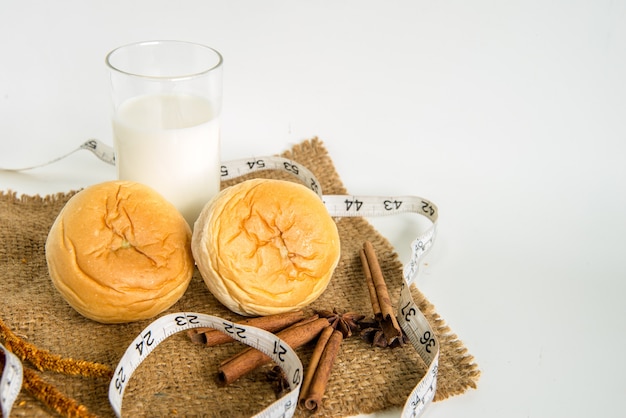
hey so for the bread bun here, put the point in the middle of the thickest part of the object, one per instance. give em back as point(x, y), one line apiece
point(119, 252)
point(266, 246)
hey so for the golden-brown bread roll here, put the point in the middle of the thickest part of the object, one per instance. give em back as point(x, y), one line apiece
point(119, 252)
point(266, 246)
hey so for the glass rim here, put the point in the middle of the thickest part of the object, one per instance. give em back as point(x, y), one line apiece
point(195, 74)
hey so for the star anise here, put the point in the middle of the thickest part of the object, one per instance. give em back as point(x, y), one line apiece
point(346, 323)
point(372, 332)
point(276, 376)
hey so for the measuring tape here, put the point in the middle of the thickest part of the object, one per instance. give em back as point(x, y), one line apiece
point(168, 325)
point(410, 318)
point(10, 382)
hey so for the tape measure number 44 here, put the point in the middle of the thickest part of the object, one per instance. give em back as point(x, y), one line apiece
point(413, 322)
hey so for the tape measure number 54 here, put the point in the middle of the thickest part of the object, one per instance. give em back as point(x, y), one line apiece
point(411, 319)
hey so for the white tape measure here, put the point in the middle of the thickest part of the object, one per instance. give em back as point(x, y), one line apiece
point(411, 319)
point(171, 324)
point(11, 381)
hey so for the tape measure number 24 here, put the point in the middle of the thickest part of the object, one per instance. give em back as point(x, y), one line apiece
point(171, 324)
point(413, 322)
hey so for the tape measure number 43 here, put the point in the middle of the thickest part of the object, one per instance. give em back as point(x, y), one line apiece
point(413, 322)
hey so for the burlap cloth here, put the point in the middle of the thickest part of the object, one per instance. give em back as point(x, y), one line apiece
point(178, 378)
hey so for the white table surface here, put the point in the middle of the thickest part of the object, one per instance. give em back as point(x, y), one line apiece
point(510, 116)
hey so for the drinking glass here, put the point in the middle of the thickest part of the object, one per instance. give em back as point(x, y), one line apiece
point(167, 99)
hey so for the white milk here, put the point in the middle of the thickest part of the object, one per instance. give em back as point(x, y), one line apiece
point(171, 143)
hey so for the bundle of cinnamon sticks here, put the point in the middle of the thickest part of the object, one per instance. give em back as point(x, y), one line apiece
point(385, 327)
point(296, 329)
point(250, 358)
point(319, 369)
point(330, 328)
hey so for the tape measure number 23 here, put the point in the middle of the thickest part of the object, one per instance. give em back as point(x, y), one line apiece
point(413, 322)
point(411, 319)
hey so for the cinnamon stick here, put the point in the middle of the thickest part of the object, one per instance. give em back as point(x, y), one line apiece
point(387, 317)
point(370, 284)
point(312, 398)
point(272, 323)
point(295, 336)
point(313, 363)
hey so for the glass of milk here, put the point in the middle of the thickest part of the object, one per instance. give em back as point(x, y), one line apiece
point(167, 98)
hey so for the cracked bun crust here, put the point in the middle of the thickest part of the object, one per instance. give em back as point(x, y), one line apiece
point(119, 252)
point(266, 246)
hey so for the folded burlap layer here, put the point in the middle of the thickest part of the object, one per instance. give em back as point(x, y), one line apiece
point(178, 378)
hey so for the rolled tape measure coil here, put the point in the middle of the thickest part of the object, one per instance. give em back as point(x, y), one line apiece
point(411, 319)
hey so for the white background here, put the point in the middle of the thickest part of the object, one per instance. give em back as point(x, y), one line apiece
point(510, 116)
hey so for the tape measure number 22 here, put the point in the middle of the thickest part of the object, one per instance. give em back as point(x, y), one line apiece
point(171, 324)
point(411, 319)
